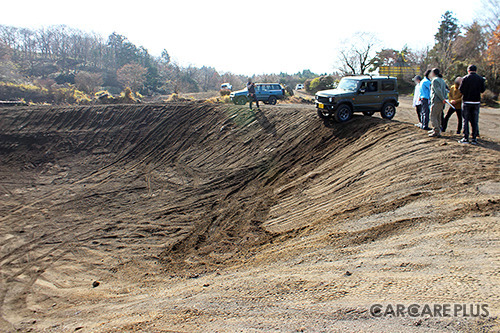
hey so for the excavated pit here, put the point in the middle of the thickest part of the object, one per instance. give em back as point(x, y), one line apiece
point(186, 189)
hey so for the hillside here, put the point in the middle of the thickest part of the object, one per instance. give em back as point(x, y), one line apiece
point(201, 217)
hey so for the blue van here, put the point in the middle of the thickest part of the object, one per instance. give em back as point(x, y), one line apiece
point(269, 93)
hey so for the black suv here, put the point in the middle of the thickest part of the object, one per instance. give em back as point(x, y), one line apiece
point(366, 94)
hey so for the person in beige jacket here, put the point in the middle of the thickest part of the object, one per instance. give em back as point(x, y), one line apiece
point(455, 97)
point(438, 98)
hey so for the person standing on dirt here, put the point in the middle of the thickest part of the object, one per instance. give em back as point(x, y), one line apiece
point(471, 88)
point(252, 96)
point(417, 103)
point(438, 99)
point(455, 97)
point(425, 96)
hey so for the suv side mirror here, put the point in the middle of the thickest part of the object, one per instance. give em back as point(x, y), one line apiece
point(361, 91)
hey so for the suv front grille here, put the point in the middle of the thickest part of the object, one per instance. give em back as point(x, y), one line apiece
point(322, 99)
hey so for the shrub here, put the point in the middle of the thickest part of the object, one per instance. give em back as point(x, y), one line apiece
point(79, 97)
point(321, 83)
point(28, 92)
point(127, 96)
point(307, 85)
point(225, 92)
point(173, 98)
point(70, 95)
point(63, 78)
point(39, 94)
point(88, 82)
point(104, 97)
point(223, 99)
point(489, 98)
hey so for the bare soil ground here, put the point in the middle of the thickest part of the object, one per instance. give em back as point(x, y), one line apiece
point(192, 217)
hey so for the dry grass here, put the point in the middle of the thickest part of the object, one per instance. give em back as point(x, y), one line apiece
point(223, 99)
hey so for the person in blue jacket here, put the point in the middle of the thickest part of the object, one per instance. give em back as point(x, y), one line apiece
point(425, 96)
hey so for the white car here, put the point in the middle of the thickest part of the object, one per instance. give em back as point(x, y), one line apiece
point(226, 86)
point(299, 86)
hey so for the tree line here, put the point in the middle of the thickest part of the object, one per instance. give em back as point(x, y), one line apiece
point(60, 56)
point(455, 47)
point(63, 55)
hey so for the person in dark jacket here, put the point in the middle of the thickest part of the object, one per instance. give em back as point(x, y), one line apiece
point(252, 96)
point(471, 88)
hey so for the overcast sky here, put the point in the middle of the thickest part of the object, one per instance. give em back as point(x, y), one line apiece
point(247, 37)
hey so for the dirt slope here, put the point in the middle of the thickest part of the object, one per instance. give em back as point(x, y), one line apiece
point(195, 217)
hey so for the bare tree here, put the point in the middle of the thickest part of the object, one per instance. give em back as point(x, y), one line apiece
point(358, 53)
point(489, 14)
point(132, 76)
point(88, 82)
point(208, 78)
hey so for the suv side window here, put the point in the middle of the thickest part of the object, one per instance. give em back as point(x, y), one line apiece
point(370, 86)
point(276, 87)
point(388, 85)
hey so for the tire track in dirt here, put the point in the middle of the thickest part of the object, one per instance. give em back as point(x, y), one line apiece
point(201, 187)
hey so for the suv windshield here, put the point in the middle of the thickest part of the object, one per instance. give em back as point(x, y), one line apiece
point(348, 84)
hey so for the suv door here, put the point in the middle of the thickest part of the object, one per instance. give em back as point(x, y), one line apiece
point(263, 95)
point(275, 90)
point(368, 96)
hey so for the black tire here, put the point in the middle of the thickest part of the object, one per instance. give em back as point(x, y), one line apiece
point(388, 111)
point(241, 100)
point(343, 113)
point(368, 113)
point(272, 100)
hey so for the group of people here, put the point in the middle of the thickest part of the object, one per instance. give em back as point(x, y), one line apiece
point(464, 98)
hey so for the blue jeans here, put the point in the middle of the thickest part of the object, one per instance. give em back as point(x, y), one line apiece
point(470, 113)
point(425, 113)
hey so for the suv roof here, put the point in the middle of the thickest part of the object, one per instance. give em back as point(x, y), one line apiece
point(368, 77)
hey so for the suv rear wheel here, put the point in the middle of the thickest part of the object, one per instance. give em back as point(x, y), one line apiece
point(272, 100)
point(343, 113)
point(388, 111)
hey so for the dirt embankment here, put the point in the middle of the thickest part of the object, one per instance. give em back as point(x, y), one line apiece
point(197, 217)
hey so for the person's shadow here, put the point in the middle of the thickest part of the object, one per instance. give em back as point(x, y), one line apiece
point(264, 122)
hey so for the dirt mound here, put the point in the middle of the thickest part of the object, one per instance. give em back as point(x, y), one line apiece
point(185, 189)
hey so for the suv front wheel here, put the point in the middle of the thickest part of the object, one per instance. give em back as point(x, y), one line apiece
point(240, 100)
point(343, 113)
point(388, 111)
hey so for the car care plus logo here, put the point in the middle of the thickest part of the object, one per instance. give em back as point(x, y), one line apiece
point(429, 310)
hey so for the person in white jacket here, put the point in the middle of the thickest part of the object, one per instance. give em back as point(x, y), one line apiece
point(417, 103)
